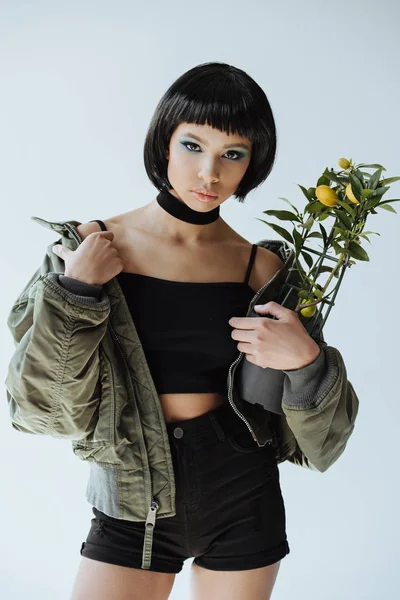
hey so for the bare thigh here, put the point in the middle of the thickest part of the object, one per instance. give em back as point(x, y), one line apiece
point(254, 584)
point(96, 580)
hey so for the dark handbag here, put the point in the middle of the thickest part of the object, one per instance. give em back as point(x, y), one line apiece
point(264, 386)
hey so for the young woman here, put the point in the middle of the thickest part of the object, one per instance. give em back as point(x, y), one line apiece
point(142, 318)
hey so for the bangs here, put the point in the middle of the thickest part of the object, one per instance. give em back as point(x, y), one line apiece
point(221, 104)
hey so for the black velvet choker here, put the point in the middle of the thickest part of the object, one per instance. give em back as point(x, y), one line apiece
point(182, 211)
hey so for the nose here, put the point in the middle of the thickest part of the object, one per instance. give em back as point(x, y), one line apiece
point(208, 175)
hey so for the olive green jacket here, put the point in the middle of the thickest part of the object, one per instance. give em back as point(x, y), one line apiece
point(79, 373)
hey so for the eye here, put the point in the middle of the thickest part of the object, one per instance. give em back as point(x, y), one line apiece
point(239, 155)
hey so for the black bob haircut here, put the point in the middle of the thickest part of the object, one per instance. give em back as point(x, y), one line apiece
point(224, 97)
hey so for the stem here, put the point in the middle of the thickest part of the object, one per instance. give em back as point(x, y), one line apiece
point(300, 306)
point(341, 260)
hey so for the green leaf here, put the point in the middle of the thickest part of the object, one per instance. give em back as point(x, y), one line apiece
point(323, 180)
point(309, 223)
point(366, 192)
point(370, 204)
point(379, 192)
point(325, 269)
point(308, 258)
point(387, 207)
point(357, 173)
point(347, 222)
point(311, 193)
point(339, 230)
point(283, 215)
point(346, 206)
point(324, 234)
point(392, 200)
point(303, 189)
point(297, 238)
point(356, 251)
point(290, 204)
point(340, 180)
point(338, 249)
point(374, 179)
point(314, 207)
point(356, 186)
point(363, 235)
point(323, 216)
point(280, 230)
point(315, 234)
point(371, 166)
point(389, 180)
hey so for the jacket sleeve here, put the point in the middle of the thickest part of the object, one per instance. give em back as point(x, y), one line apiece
point(52, 383)
point(321, 406)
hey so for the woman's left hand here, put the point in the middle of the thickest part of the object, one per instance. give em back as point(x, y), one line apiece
point(282, 344)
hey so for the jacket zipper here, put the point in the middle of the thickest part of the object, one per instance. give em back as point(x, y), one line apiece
point(154, 505)
point(233, 366)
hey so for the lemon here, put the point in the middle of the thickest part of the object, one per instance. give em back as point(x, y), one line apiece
point(326, 195)
point(350, 195)
point(309, 311)
point(344, 163)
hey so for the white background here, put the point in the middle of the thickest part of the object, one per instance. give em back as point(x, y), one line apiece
point(79, 84)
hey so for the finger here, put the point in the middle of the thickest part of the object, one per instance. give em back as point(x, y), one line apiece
point(245, 348)
point(60, 251)
point(108, 235)
point(249, 323)
point(242, 335)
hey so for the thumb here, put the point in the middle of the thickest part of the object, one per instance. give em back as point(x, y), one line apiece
point(271, 308)
point(60, 251)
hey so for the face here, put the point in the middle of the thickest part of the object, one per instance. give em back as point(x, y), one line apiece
point(202, 157)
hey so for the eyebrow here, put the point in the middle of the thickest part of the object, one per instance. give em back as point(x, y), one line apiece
point(196, 137)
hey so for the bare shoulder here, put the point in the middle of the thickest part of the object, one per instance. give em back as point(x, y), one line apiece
point(266, 264)
point(85, 229)
point(269, 259)
point(111, 224)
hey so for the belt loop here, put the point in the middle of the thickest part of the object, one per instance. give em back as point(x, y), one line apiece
point(218, 429)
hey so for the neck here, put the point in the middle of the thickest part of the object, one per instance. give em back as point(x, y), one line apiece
point(172, 217)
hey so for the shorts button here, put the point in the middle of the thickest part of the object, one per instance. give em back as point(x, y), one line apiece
point(178, 432)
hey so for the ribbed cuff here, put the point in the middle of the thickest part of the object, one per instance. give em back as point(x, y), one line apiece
point(79, 291)
point(81, 288)
point(301, 385)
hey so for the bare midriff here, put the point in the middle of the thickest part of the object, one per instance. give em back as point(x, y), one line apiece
point(179, 407)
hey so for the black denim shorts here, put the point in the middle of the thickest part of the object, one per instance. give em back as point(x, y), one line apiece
point(230, 514)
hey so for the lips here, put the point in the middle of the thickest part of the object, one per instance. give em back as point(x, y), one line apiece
point(205, 192)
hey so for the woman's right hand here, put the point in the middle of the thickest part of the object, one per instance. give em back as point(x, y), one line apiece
point(95, 261)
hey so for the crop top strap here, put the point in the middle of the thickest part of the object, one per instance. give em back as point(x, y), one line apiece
point(251, 261)
point(103, 227)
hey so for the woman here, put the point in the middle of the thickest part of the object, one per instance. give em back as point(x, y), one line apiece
point(140, 341)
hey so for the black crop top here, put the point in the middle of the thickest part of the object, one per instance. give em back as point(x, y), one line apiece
point(184, 329)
